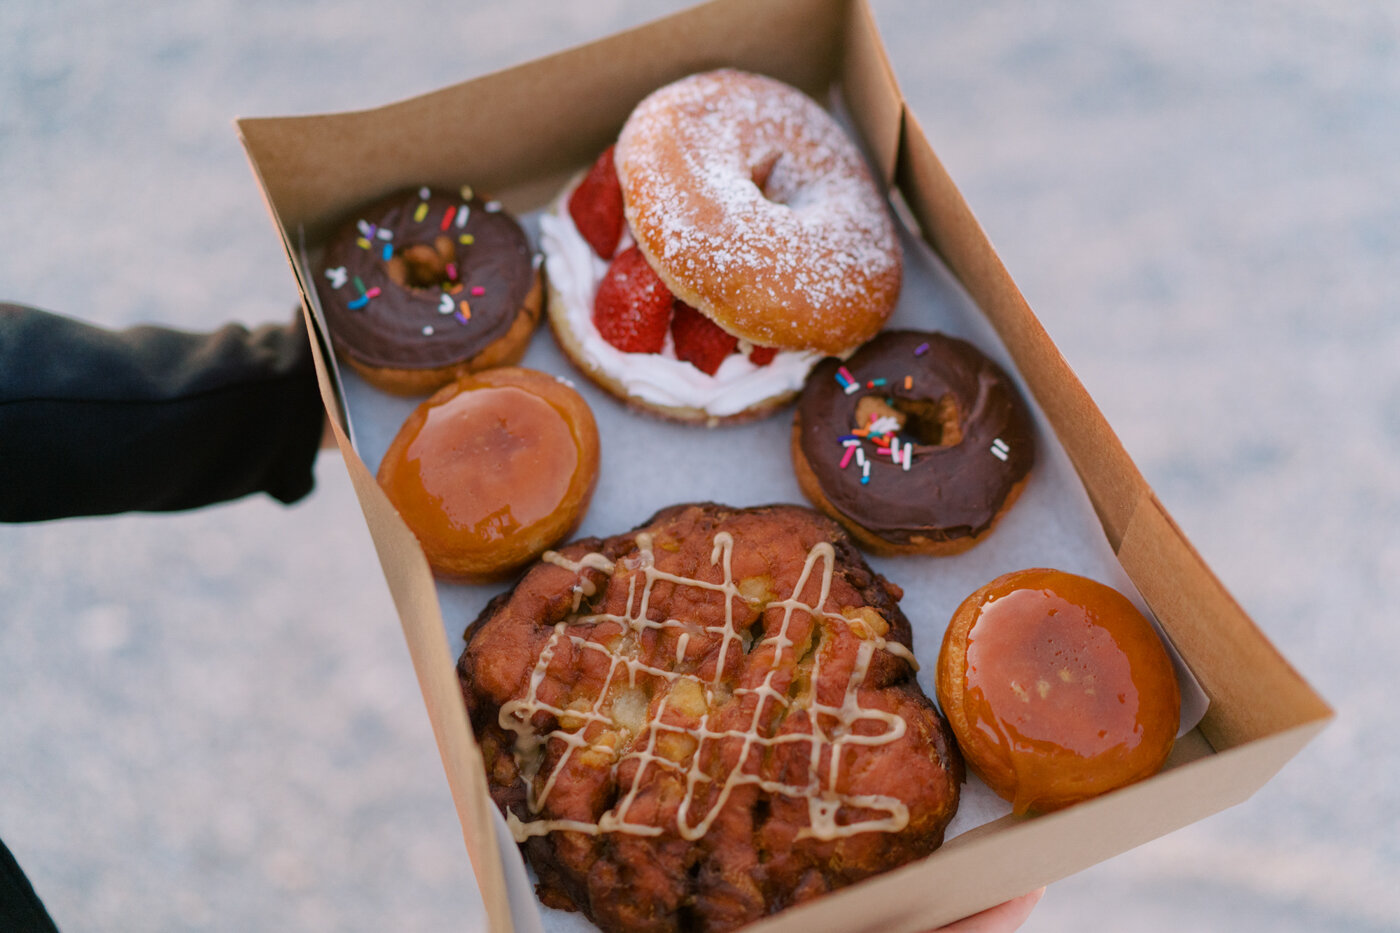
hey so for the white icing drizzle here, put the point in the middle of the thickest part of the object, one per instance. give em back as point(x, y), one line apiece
point(826, 743)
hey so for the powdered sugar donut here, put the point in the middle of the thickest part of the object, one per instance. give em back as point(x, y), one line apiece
point(756, 208)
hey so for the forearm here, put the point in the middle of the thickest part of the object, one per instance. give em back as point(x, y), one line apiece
point(94, 421)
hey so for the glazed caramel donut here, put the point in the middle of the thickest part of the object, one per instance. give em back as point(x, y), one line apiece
point(918, 444)
point(1057, 689)
point(492, 470)
point(755, 208)
point(424, 286)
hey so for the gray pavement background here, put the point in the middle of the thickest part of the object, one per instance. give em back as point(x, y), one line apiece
point(208, 721)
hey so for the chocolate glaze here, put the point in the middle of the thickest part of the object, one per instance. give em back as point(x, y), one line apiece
point(949, 492)
point(405, 326)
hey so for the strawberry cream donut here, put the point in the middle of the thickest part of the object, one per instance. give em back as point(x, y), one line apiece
point(729, 240)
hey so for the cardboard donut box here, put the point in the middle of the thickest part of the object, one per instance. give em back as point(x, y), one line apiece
point(520, 134)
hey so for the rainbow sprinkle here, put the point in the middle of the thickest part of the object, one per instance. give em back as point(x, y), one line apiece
point(921, 349)
point(885, 426)
point(882, 431)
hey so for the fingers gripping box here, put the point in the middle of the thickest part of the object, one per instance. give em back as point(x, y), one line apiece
point(520, 134)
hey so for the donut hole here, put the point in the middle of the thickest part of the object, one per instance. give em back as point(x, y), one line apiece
point(424, 265)
point(927, 422)
point(872, 410)
point(761, 171)
point(931, 422)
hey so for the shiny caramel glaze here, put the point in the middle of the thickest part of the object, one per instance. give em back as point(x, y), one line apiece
point(1057, 689)
point(492, 470)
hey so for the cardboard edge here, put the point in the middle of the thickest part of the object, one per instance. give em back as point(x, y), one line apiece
point(415, 597)
point(1218, 640)
point(947, 224)
point(543, 97)
point(414, 594)
point(874, 102)
point(320, 340)
point(964, 877)
point(1151, 547)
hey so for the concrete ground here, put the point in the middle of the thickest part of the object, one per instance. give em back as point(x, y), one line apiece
point(208, 721)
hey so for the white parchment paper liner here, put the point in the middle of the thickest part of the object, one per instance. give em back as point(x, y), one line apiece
point(647, 464)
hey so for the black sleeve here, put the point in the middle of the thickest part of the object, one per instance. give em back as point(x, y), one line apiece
point(94, 422)
point(21, 911)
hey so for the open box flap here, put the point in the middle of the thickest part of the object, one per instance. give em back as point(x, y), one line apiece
point(1254, 692)
point(1026, 853)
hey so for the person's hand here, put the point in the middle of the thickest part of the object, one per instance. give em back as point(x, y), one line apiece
point(1002, 918)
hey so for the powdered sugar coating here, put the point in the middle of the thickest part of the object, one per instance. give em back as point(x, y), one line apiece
point(755, 207)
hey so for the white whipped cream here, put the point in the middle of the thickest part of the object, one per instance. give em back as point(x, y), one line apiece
point(657, 378)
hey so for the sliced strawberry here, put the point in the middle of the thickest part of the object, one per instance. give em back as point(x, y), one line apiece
point(699, 340)
point(596, 206)
point(762, 356)
point(633, 306)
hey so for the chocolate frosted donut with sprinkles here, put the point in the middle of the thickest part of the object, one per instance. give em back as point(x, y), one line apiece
point(706, 719)
point(424, 286)
point(918, 444)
